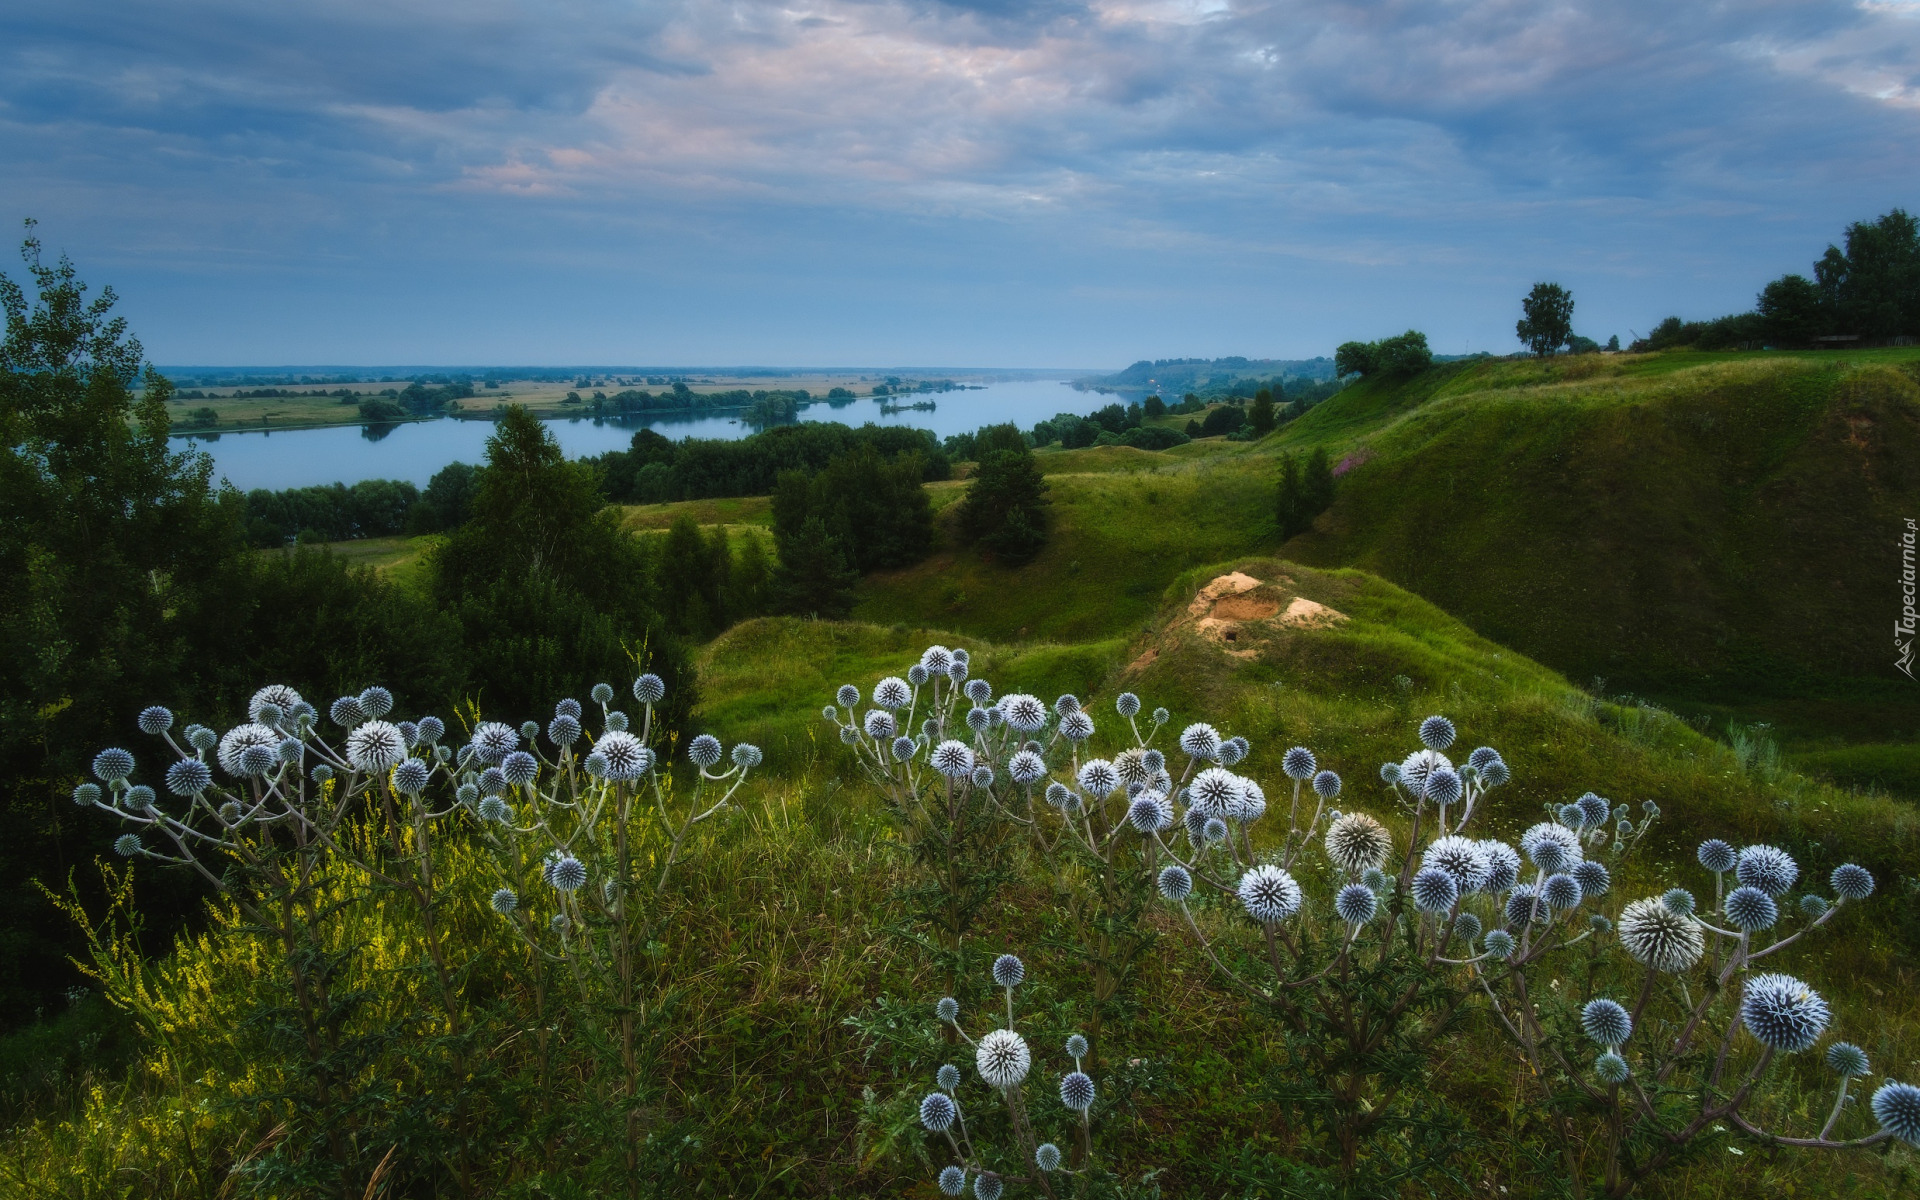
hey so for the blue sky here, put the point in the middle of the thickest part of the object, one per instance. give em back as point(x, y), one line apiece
point(1048, 183)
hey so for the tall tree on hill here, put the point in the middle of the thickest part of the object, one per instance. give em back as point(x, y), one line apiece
point(1004, 511)
point(1260, 416)
point(814, 578)
point(1546, 323)
point(1304, 494)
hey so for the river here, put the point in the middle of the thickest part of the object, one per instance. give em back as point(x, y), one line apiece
point(414, 451)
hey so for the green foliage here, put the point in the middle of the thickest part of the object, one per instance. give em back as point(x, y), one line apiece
point(1404, 354)
point(1004, 511)
point(814, 577)
point(655, 469)
point(1304, 494)
point(1260, 417)
point(1154, 408)
point(447, 502)
point(1546, 322)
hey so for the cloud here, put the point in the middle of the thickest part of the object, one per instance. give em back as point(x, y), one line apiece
point(1412, 135)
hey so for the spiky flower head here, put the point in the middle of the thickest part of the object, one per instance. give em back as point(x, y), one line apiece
point(848, 695)
point(979, 691)
point(376, 701)
point(1660, 938)
point(1098, 777)
point(1150, 812)
point(1357, 842)
point(1076, 726)
point(892, 692)
point(1326, 785)
point(189, 777)
point(1679, 901)
point(979, 720)
point(493, 741)
point(1592, 876)
point(1025, 713)
point(1214, 791)
point(519, 768)
point(1611, 1068)
point(201, 738)
point(1434, 891)
point(321, 773)
point(1076, 1091)
point(410, 776)
point(1443, 786)
point(563, 730)
point(1847, 1059)
point(1415, 768)
point(704, 750)
point(1813, 907)
point(1751, 909)
point(374, 746)
point(155, 720)
point(953, 1181)
point(1593, 810)
point(1356, 904)
point(1783, 1013)
point(1897, 1107)
point(1436, 733)
point(1851, 881)
point(113, 764)
point(495, 809)
point(1076, 1046)
point(1716, 856)
point(1161, 716)
point(602, 693)
point(937, 1111)
point(428, 731)
point(1215, 830)
point(1561, 892)
point(948, 1077)
point(568, 707)
point(1026, 767)
point(952, 759)
point(1461, 858)
point(615, 720)
point(283, 698)
point(346, 712)
point(1496, 773)
point(1298, 763)
point(1200, 740)
point(1503, 864)
point(947, 1009)
point(880, 724)
point(625, 758)
point(1046, 1157)
point(1551, 846)
point(1251, 804)
point(1389, 773)
point(1570, 815)
point(1002, 1059)
point(1269, 894)
point(1176, 883)
point(916, 675)
point(1126, 704)
point(566, 873)
point(127, 845)
point(493, 781)
point(1062, 797)
point(1233, 750)
point(139, 798)
point(1498, 944)
point(1525, 906)
point(1466, 926)
point(1008, 971)
point(649, 688)
point(1768, 868)
point(504, 901)
point(987, 1186)
point(1606, 1022)
point(1479, 759)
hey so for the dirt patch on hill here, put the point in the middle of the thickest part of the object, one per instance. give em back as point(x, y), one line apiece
point(1237, 611)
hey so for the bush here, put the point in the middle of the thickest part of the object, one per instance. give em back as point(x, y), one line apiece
point(1004, 510)
point(1154, 437)
point(1406, 354)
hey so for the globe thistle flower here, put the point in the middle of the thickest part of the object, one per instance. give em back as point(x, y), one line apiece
point(1076, 1091)
point(563, 730)
point(1326, 785)
point(1025, 713)
point(1196, 824)
point(1498, 944)
point(1592, 876)
point(1466, 926)
point(602, 693)
point(1496, 773)
point(493, 741)
point(1716, 856)
point(1847, 1059)
point(1551, 846)
point(1200, 740)
point(1008, 971)
point(321, 773)
point(127, 845)
point(1269, 894)
point(139, 798)
point(1461, 858)
point(936, 659)
point(1897, 1107)
point(112, 765)
point(1679, 901)
point(1356, 904)
point(1215, 830)
point(188, 777)
point(290, 750)
point(1436, 733)
point(1389, 773)
point(1357, 842)
point(1768, 868)
point(1813, 907)
point(346, 712)
point(704, 750)
point(1751, 909)
point(1660, 938)
point(519, 768)
point(1611, 1068)
point(1524, 906)
point(1571, 816)
point(892, 693)
point(375, 702)
point(493, 781)
point(1851, 881)
point(1131, 766)
point(947, 1009)
point(979, 720)
point(1415, 768)
point(411, 776)
point(1026, 767)
point(1232, 751)
point(880, 724)
point(615, 720)
point(1298, 763)
point(1126, 704)
point(234, 742)
point(1161, 716)
point(953, 1181)
point(1503, 865)
point(746, 755)
point(429, 731)
point(1606, 1022)
point(848, 695)
point(1046, 1157)
point(1076, 726)
point(281, 697)
point(830, 713)
point(1150, 812)
point(155, 720)
point(916, 675)
point(952, 759)
point(1176, 883)
point(1434, 891)
point(493, 808)
point(1782, 1013)
point(1375, 880)
point(1479, 759)
point(504, 901)
point(948, 1077)
point(987, 1186)
point(567, 873)
point(937, 1111)
point(979, 691)
point(1098, 777)
point(1213, 791)
point(1594, 809)
point(649, 688)
point(1599, 924)
point(201, 738)
point(1002, 1059)
point(229, 813)
point(624, 759)
point(1076, 1047)
point(1561, 892)
point(1443, 785)
point(1251, 804)
point(256, 761)
point(561, 923)
point(1061, 796)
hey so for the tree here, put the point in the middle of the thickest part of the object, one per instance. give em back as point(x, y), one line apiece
point(1403, 354)
point(1304, 494)
point(1260, 417)
point(814, 577)
point(1547, 320)
point(1317, 483)
point(1004, 510)
point(1155, 408)
point(1792, 311)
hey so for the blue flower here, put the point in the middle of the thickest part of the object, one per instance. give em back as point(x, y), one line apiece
point(519, 768)
point(953, 1181)
point(1561, 892)
point(947, 1009)
point(1716, 856)
point(1176, 883)
point(649, 688)
point(1047, 1157)
point(1783, 1013)
point(1326, 785)
point(1436, 733)
point(1851, 882)
point(1126, 704)
point(504, 901)
point(189, 777)
point(1076, 1091)
point(704, 750)
point(1298, 763)
point(1008, 971)
point(1751, 909)
point(155, 720)
point(937, 1111)
point(1611, 1068)
point(112, 765)
point(1606, 1022)
point(1768, 868)
point(1897, 1107)
point(1434, 891)
point(1356, 904)
point(602, 694)
point(1847, 1058)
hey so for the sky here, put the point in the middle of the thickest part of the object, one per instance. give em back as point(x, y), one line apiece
point(969, 183)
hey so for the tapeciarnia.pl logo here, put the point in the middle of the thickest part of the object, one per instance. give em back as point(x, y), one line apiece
point(1903, 627)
